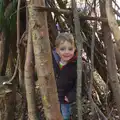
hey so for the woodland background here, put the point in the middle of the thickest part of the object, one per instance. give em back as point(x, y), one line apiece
point(28, 29)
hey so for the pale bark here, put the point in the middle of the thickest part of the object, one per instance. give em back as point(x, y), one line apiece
point(43, 62)
point(112, 72)
point(110, 53)
point(117, 52)
point(29, 80)
point(112, 22)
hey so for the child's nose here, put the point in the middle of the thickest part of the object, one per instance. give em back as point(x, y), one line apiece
point(67, 51)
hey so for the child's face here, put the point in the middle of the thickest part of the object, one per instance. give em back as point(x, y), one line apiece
point(66, 50)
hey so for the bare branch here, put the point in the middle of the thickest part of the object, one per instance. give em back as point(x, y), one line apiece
point(64, 11)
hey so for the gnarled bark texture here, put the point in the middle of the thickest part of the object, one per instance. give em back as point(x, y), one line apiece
point(43, 61)
point(111, 61)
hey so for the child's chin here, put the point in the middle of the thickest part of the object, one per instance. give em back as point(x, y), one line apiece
point(66, 60)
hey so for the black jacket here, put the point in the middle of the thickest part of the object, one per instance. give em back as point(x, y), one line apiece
point(65, 78)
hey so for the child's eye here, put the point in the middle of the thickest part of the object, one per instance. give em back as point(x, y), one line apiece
point(62, 49)
point(70, 49)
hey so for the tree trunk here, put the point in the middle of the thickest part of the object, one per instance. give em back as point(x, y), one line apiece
point(10, 102)
point(29, 80)
point(1, 50)
point(79, 60)
point(114, 28)
point(43, 62)
point(112, 72)
point(112, 22)
point(7, 99)
point(111, 61)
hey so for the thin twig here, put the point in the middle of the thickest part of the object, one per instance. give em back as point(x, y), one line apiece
point(14, 75)
point(116, 12)
point(18, 45)
point(15, 72)
point(18, 26)
point(116, 4)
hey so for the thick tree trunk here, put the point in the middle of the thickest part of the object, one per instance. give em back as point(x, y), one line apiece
point(29, 80)
point(10, 105)
point(110, 54)
point(112, 22)
point(114, 28)
point(7, 100)
point(43, 62)
point(112, 71)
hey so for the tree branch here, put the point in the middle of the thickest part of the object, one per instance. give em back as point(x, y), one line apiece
point(64, 11)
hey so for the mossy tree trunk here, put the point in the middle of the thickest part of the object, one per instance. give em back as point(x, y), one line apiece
point(43, 61)
point(29, 80)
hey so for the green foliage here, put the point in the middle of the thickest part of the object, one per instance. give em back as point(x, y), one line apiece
point(8, 17)
point(2, 10)
point(12, 17)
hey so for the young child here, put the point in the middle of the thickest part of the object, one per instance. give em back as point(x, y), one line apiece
point(65, 68)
